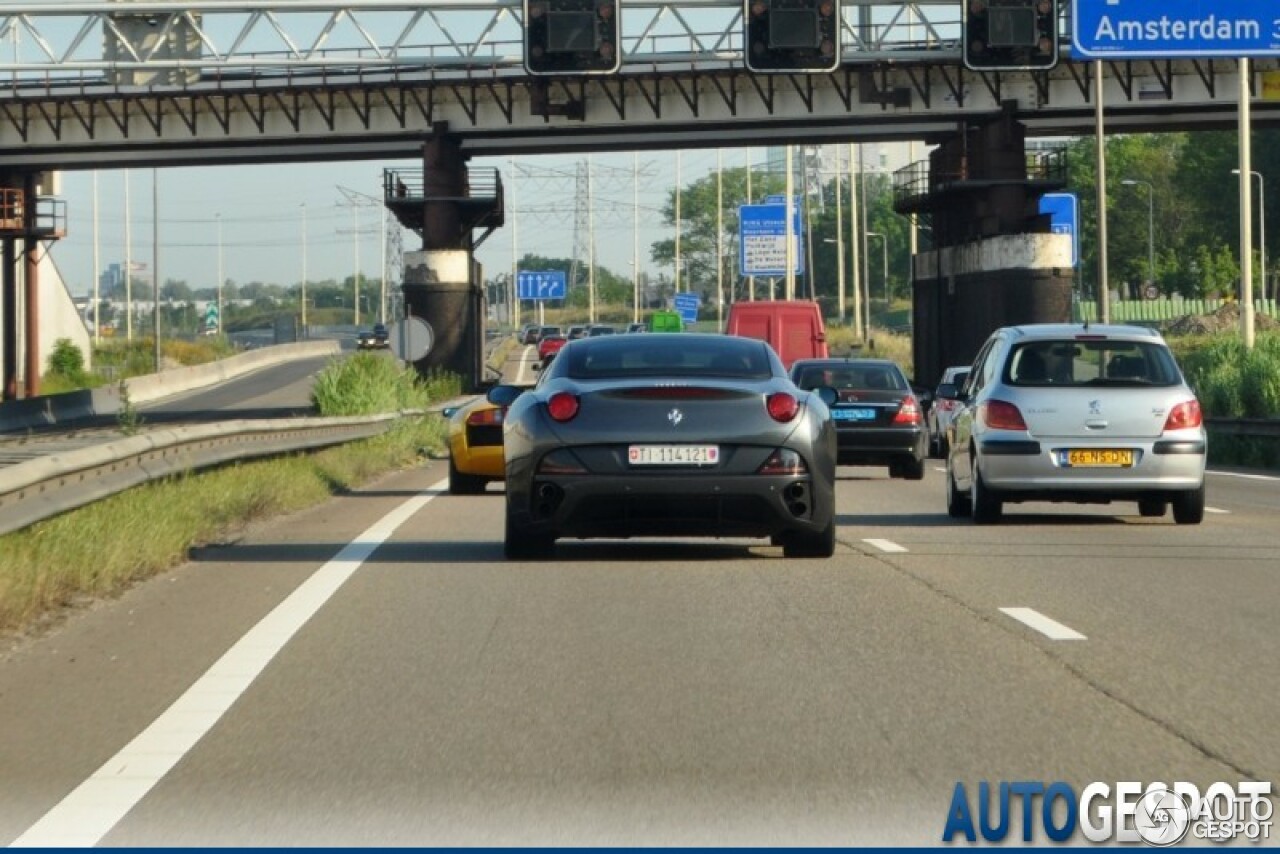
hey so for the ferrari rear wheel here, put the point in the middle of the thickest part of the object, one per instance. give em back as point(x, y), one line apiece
point(461, 483)
point(521, 544)
point(805, 544)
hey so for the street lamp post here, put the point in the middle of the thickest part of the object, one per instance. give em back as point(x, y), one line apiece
point(304, 270)
point(1262, 227)
point(222, 323)
point(884, 251)
point(1151, 219)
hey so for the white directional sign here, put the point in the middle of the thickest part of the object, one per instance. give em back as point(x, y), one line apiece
point(1158, 29)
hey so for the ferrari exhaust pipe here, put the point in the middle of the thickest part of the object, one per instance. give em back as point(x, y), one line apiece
point(549, 497)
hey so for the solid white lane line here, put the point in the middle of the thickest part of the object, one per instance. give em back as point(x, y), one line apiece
point(942, 469)
point(521, 379)
point(1243, 475)
point(1050, 628)
point(89, 812)
point(1216, 510)
point(885, 545)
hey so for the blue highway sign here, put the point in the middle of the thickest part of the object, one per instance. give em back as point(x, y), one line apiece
point(1159, 29)
point(544, 285)
point(1064, 218)
point(687, 307)
point(762, 240)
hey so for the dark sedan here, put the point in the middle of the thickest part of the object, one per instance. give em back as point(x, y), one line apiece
point(671, 436)
point(878, 417)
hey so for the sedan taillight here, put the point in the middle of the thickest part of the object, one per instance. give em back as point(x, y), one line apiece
point(782, 406)
point(1001, 415)
point(1184, 415)
point(562, 406)
point(908, 413)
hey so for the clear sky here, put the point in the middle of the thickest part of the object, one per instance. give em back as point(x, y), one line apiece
point(261, 210)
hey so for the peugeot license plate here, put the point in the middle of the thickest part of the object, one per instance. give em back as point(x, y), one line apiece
point(673, 455)
point(1098, 458)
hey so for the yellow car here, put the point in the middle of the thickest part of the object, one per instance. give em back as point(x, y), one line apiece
point(475, 447)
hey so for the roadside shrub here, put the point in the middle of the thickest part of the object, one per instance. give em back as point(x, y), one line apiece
point(370, 384)
point(66, 366)
point(1233, 382)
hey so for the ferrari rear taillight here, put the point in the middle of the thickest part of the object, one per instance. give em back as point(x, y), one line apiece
point(782, 406)
point(561, 461)
point(908, 413)
point(562, 406)
point(783, 461)
point(1184, 415)
point(1001, 415)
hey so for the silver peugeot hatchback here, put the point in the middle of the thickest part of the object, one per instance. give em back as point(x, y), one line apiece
point(1071, 413)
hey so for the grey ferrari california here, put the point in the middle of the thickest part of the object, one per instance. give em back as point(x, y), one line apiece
point(668, 435)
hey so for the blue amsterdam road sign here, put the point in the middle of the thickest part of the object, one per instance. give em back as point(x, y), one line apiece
point(544, 285)
point(687, 307)
point(1064, 218)
point(762, 239)
point(1157, 29)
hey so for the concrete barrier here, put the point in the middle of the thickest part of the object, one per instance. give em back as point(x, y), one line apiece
point(62, 408)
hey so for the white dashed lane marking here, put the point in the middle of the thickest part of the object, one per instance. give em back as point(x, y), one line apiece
point(1218, 510)
point(885, 545)
point(1051, 629)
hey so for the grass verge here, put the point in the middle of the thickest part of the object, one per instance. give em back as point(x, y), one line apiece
point(100, 549)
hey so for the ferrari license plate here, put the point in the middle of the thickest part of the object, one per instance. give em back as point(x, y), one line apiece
point(673, 455)
point(856, 413)
point(1099, 458)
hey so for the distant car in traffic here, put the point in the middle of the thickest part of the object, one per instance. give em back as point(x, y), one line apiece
point(548, 347)
point(635, 327)
point(528, 334)
point(878, 417)
point(376, 338)
point(1076, 413)
point(942, 411)
point(598, 329)
point(658, 435)
point(576, 332)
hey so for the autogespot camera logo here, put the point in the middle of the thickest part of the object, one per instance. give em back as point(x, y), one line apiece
point(1162, 817)
point(1156, 813)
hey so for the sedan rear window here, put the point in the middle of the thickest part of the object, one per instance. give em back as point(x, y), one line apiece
point(1076, 362)
point(860, 377)
point(622, 356)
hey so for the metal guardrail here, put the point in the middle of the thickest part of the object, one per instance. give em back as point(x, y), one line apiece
point(50, 485)
point(1256, 428)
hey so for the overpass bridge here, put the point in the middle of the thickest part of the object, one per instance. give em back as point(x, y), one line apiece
point(98, 84)
point(111, 84)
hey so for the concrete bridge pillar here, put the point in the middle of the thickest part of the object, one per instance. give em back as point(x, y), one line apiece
point(443, 284)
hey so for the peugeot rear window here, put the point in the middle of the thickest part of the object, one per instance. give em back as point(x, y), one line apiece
point(622, 356)
point(1092, 362)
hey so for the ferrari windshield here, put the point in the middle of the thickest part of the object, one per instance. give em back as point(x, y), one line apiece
point(671, 355)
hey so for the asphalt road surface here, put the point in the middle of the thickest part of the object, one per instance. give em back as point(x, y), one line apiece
point(372, 671)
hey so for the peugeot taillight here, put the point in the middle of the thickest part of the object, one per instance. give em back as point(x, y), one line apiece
point(1001, 415)
point(908, 413)
point(1184, 415)
point(782, 406)
point(562, 406)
